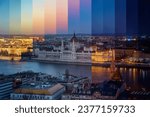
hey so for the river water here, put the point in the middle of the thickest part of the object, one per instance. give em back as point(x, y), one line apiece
point(136, 78)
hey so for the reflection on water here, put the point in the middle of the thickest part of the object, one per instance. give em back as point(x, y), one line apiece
point(99, 74)
point(8, 67)
point(135, 78)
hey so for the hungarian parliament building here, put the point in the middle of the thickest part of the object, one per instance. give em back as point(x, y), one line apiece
point(73, 54)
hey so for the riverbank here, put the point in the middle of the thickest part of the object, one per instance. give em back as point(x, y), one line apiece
point(124, 65)
point(102, 64)
point(59, 62)
point(9, 58)
point(106, 64)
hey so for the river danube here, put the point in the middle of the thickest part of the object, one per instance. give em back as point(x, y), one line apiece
point(136, 78)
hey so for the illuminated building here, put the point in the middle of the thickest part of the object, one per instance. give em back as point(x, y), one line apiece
point(38, 92)
point(73, 53)
point(14, 47)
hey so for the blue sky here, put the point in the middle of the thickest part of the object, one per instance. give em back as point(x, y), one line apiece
point(84, 16)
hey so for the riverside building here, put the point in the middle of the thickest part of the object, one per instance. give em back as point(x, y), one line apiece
point(74, 52)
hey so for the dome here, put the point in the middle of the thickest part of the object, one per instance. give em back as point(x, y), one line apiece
point(74, 38)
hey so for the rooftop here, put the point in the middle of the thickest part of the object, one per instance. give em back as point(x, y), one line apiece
point(2, 80)
point(47, 90)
